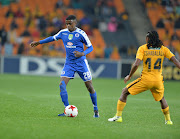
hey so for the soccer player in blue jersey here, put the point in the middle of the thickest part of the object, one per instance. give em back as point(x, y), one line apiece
point(73, 39)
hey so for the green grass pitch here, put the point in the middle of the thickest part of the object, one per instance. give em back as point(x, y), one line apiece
point(29, 106)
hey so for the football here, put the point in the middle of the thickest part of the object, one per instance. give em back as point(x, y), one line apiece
point(71, 111)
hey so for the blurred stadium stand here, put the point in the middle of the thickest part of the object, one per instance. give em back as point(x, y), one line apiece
point(138, 19)
point(165, 18)
point(105, 21)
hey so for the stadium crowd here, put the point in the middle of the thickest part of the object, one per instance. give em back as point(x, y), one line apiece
point(24, 21)
point(165, 18)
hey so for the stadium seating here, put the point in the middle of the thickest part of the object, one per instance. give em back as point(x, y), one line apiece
point(32, 10)
point(44, 7)
point(155, 11)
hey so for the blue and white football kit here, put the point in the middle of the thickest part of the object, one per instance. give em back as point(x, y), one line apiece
point(73, 41)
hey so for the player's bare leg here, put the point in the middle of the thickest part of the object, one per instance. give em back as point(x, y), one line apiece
point(90, 87)
point(120, 106)
point(124, 95)
point(93, 96)
point(63, 92)
point(165, 110)
point(163, 103)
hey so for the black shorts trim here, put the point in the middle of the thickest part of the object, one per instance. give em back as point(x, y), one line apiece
point(134, 83)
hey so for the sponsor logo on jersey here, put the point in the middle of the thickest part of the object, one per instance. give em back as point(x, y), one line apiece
point(76, 35)
point(70, 43)
point(64, 33)
point(70, 46)
point(70, 37)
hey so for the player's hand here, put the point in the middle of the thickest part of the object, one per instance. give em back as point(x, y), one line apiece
point(34, 44)
point(78, 54)
point(127, 78)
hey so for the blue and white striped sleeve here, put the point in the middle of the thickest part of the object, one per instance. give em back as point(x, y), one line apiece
point(88, 50)
point(86, 39)
point(51, 38)
point(87, 42)
point(57, 36)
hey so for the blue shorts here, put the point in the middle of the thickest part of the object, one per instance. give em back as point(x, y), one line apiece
point(82, 68)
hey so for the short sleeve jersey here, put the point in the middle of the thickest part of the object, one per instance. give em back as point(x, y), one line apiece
point(73, 41)
point(152, 61)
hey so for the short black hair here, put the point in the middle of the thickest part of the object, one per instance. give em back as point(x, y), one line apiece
point(71, 17)
point(153, 40)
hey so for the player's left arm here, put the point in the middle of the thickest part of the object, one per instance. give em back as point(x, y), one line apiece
point(87, 42)
point(175, 61)
point(133, 69)
point(87, 51)
point(171, 56)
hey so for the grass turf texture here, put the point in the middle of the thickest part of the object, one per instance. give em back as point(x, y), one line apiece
point(29, 106)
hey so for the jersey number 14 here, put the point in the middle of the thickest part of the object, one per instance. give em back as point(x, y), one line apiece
point(157, 64)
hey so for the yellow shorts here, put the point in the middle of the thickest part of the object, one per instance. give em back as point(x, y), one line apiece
point(140, 85)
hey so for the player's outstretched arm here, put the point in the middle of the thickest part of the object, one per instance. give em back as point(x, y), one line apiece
point(35, 43)
point(175, 61)
point(46, 40)
point(133, 69)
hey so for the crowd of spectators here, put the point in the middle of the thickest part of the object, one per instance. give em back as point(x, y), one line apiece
point(167, 13)
point(28, 25)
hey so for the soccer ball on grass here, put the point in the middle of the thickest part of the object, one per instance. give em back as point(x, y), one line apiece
point(71, 111)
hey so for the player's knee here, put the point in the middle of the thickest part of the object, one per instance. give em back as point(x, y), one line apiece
point(62, 86)
point(124, 94)
point(125, 91)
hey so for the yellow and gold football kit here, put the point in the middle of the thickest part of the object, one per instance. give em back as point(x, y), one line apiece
point(151, 77)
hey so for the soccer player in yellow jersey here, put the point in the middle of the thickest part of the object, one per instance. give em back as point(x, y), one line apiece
point(152, 53)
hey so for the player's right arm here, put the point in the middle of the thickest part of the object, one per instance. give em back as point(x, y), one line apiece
point(46, 40)
point(35, 43)
point(139, 57)
point(133, 70)
point(175, 61)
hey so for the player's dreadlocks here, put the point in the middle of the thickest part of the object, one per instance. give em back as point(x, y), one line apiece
point(153, 40)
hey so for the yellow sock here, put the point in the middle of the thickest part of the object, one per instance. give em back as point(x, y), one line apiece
point(120, 107)
point(119, 113)
point(166, 113)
